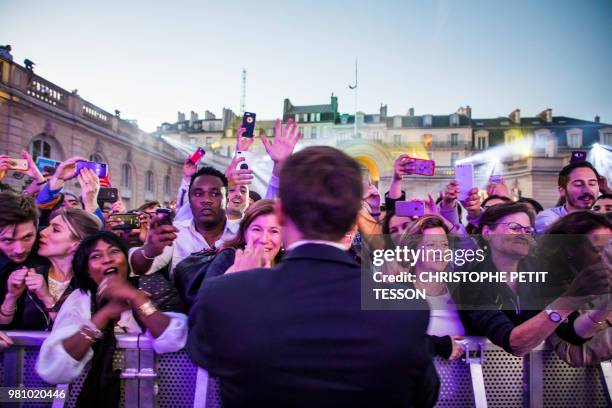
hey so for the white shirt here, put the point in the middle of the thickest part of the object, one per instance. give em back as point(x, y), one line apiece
point(187, 242)
point(314, 241)
point(444, 319)
point(56, 366)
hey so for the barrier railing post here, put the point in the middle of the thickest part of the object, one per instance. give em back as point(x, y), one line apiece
point(146, 374)
point(474, 356)
point(533, 370)
point(129, 373)
point(606, 379)
point(13, 368)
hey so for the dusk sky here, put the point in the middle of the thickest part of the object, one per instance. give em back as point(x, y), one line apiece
point(151, 59)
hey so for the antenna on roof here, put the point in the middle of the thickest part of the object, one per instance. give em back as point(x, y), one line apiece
point(354, 88)
point(243, 93)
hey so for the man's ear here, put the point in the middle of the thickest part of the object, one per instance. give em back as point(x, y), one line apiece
point(561, 192)
point(278, 211)
point(486, 233)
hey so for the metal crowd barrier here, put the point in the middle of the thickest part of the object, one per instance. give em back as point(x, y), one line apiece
point(486, 377)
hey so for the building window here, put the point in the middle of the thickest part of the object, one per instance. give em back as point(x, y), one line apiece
point(376, 136)
point(574, 138)
point(427, 139)
point(313, 132)
point(40, 148)
point(454, 158)
point(297, 117)
point(211, 127)
point(167, 185)
point(181, 126)
point(454, 119)
point(606, 139)
point(454, 140)
point(397, 122)
point(149, 181)
point(126, 176)
point(397, 140)
point(305, 117)
point(96, 158)
point(318, 117)
point(313, 117)
point(427, 121)
point(481, 142)
point(301, 130)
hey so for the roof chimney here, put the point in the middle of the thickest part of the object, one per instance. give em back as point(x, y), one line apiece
point(546, 115)
point(192, 117)
point(597, 118)
point(411, 112)
point(180, 117)
point(467, 111)
point(515, 116)
point(208, 115)
point(383, 111)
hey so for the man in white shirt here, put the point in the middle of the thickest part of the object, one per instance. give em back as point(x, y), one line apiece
point(207, 229)
point(579, 185)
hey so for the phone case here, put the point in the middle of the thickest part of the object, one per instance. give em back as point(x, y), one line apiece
point(98, 168)
point(248, 160)
point(424, 167)
point(19, 164)
point(197, 156)
point(409, 208)
point(248, 122)
point(464, 174)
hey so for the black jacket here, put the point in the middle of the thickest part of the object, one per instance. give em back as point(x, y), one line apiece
point(295, 335)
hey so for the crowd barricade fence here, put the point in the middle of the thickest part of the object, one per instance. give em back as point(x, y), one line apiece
point(487, 376)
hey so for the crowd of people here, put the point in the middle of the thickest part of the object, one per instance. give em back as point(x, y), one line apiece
point(265, 293)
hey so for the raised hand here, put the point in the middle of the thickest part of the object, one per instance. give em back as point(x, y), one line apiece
point(449, 196)
point(159, 236)
point(16, 282)
point(403, 166)
point(90, 187)
point(33, 172)
point(65, 171)
point(189, 169)
point(499, 189)
point(472, 203)
point(237, 176)
point(243, 144)
point(36, 283)
point(285, 139)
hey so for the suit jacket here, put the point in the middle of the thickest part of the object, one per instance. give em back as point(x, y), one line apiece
point(295, 335)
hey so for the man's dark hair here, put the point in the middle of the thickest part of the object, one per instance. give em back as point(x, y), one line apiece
point(536, 205)
point(148, 204)
point(208, 171)
point(493, 214)
point(320, 192)
point(17, 209)
point(565, 172)
point(80, 260)
point(496, 197)
point(254, 195)
point(604, 196)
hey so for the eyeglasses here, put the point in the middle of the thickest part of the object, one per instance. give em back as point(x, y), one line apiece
point(516, 227)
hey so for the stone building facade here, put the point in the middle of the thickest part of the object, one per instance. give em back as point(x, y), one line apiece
point(45, 119)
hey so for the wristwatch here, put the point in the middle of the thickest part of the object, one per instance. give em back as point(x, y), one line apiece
point(553, 315)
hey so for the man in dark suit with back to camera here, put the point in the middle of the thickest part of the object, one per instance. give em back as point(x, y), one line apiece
point(295, 335)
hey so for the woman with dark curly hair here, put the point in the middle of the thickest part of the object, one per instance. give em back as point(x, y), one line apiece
point(106, 303)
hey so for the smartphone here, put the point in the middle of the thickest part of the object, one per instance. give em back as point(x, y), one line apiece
point(248, 122)
point(197, 156)
point(45, 164)
point(98, 168)
point(464, 174)
point(19, 164)
point(128, 221)
point(248, 160)
point(423, 167)
point(168, 216)
point(578, 155)
point(409, 208)
point(108, 195)
point(495, 179)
